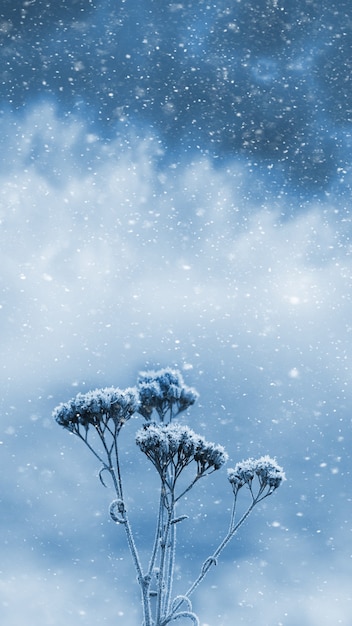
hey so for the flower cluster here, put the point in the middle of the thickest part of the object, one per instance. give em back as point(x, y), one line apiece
point(175, 445)
point(96, 418)
point(269, 473)
point(97, 407)
point(164, 391)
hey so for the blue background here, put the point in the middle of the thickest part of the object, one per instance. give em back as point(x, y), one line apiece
point(175, 190)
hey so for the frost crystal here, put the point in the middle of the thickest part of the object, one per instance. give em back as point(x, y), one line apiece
point(269, 473)
point(176, 445)
point(163, 391)
point(97, 408)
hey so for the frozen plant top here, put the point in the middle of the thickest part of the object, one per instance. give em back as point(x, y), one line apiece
point(269, 473)
point(97, 407)
point(164, 391)
point(175, 445)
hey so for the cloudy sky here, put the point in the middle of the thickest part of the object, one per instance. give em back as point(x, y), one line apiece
point(176, 190)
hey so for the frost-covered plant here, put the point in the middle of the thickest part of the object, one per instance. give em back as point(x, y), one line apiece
point(171, 447)
point(165, 392)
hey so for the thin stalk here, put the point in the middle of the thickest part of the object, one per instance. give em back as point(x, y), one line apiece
point(144, 581)
point(171, 567)
point(198, 476)
point(85, 440)
point(118, 470)
point(156, 543)
point(233, 512)
point(212, 559)
point(233, 528)
point(163, 561)
point(165, 547)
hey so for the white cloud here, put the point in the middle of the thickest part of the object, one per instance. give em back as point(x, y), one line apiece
point(123, 250)
point(80, 595)
point(110, 260)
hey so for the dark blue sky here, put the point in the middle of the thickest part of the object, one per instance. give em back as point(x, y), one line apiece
point(265, 80)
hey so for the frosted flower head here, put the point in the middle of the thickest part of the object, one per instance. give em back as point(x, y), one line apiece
point(209, 456)
point(241, 474)
point(97, 408)
point(164, 390)
point(178, 445)
point(269, 474)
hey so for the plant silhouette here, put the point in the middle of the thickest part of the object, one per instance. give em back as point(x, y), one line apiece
point(159, 397)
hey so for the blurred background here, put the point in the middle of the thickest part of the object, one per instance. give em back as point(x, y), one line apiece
point(175, 191)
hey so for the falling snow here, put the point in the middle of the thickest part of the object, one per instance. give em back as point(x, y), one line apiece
point(176, 189)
